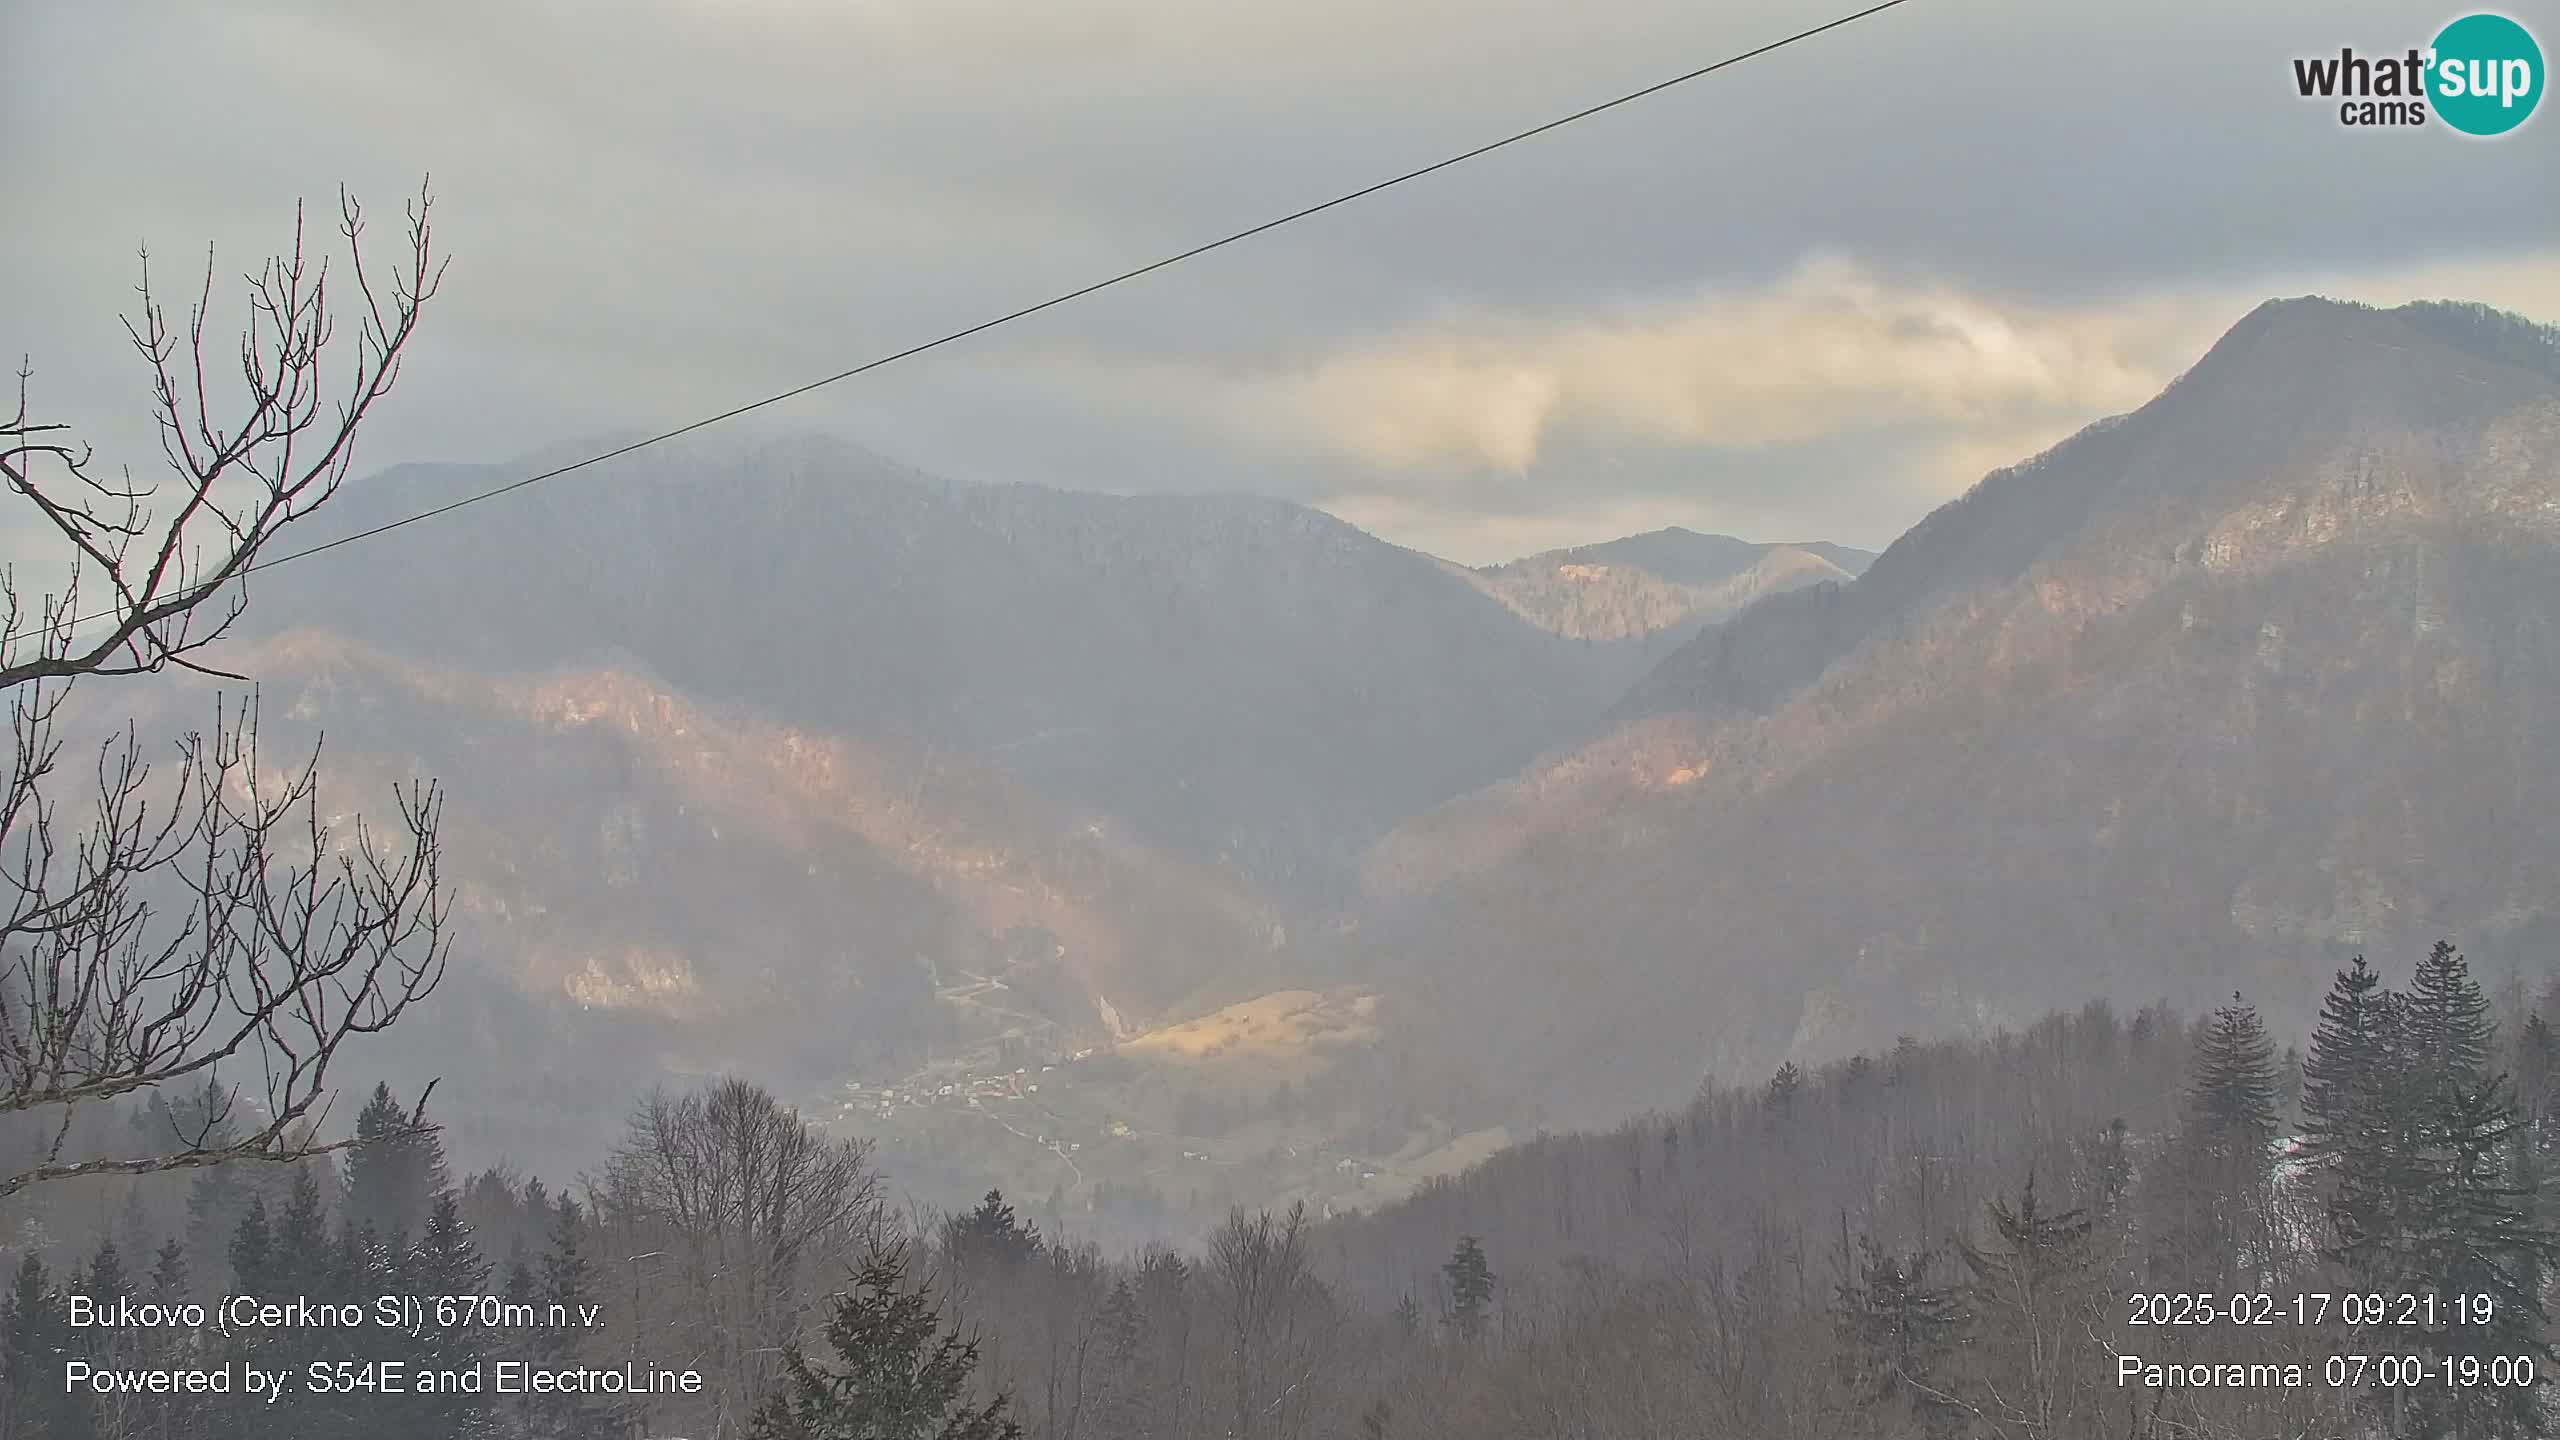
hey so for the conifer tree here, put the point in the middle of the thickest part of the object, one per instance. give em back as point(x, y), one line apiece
point(2476, 1237)
point(446, 1261)
point(2338, 1075)
point(564, 1288)
point(2457, 1131)
point(2449, 1031)
point(2212, 1197)
point(300, 1254)
point(394, 1172)
point(217, 1198)
point(252, 1250)
point(169, 1271)
point(1164, 1296)
point(2537, 1080)
point(348, 1274)
point(1470, 1281)
point(520, 1287)
point(895, 1373)
point(1899, 1328)
point(988, 1245)
point(383, 1263)
point(34, 1336)
point(134, 1233)
point(26, 1346)
point(1785, 1086)
point(105, 1278)
point(567, 1277)
point(169, 1416)
point(2029, 1305)
point(2362, 1117)
point(1126, 1391)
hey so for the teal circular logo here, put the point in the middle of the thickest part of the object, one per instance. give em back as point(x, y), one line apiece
point(2484, 74)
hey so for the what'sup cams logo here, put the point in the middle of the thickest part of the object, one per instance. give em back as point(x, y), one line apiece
point(2481, 75)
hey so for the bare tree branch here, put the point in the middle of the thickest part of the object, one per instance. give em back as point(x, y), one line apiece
point(183, 928)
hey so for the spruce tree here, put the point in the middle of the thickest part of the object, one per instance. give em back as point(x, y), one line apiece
point(169, 1271)
point(895, 1374)
point(565, 1287)
point(252, 1250)
point(2476, 1238)
point(105, 1279)
point(2212, 1198)
point(446, 1261)
point(172, 1415)
point(134, 1232)
point(300, 1255)
point(988, 1245)
point(2450, 1034)
point(347, 1274)
point(567, 1277)
point(2029, 1301)
point(2367, 1124)
point(394, 1171)
point(1784, 1087)
point(1898, 1327)
point(1127, 1389)
point(520, 1286)
point(1165, 1296)
point(2340, 1074)
point(34, 1339)
point(2537, 1086)
point(384, 1262)
point(1470, 1281)
point(217, 1198)
point(26, 1345)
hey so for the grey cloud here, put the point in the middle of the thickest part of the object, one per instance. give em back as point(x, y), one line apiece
point(666, 207)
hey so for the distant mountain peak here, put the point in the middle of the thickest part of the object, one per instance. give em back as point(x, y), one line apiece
point(1665, 582)
point(2257, 676)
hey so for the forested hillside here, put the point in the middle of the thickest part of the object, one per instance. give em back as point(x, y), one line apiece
point(1248, 681)
point(2144, 1225)
point(2262, 674)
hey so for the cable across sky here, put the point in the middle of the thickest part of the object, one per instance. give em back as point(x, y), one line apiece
point(1077, 294)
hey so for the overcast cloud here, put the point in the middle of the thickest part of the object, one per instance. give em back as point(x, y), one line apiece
point(1809, 297)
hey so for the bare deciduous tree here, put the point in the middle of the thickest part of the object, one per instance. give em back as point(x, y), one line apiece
point(1275, 1332)
point(752, 1216)
point(184, 928)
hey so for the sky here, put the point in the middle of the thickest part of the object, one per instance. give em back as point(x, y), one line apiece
point(1810, 297)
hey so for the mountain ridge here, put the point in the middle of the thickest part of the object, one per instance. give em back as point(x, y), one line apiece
point(1574, 875)
point(1245, 677)
point(1661, 584)
point(1864, 779)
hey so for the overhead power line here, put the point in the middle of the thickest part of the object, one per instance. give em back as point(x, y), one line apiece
point(1077, 294)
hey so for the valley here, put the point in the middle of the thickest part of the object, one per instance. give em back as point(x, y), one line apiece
point(1152, 721)
point(1338, 865)
point(1164, 1131)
